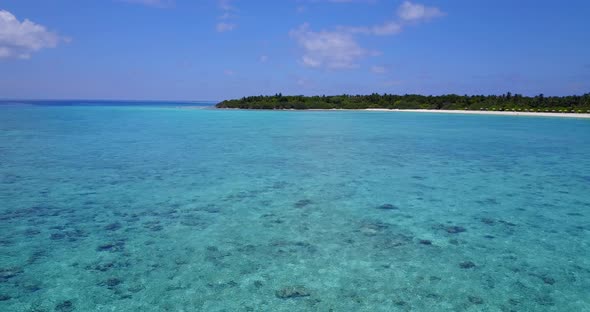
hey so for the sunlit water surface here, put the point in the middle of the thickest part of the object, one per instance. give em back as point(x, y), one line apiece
point(173, 208)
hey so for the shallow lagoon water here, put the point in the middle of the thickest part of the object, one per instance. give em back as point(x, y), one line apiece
point(146, 208)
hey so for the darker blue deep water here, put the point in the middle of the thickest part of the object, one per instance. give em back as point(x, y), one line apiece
point(173, 207)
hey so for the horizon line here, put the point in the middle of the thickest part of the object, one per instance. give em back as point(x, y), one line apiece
point(276, 93)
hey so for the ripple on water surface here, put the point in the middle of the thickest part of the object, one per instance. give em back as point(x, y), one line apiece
point(155, 209)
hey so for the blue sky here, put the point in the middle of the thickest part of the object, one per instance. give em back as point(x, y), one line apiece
point(212, 49)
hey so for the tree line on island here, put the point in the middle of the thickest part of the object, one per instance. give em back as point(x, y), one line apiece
point(504, 102)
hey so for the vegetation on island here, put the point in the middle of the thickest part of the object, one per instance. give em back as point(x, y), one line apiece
point(504, 102)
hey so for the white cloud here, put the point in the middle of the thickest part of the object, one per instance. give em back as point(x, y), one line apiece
point(329, 49)
point(20, 39)
point(410, 12)
point(225, 16)
point(229, 72)
point(225, 5)
point(263, 58)
point(153, 3)
point(407, 13)
point(379, 69)
point(223, 27)
point(338, 49)
point(388, 28)
point(228, 13)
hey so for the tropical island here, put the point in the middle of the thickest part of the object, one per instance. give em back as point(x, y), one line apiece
point(504, 102)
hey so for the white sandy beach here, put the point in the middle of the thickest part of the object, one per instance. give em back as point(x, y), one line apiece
point(443, 111)
point(505, 113)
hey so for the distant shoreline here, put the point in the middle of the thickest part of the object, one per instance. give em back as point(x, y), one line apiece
point(577, 106)
point(441, 111)
point(473, 112)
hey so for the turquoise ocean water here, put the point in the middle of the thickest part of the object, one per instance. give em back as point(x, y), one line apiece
point(163, 207)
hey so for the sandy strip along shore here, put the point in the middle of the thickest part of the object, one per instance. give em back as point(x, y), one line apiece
point(505, 113)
